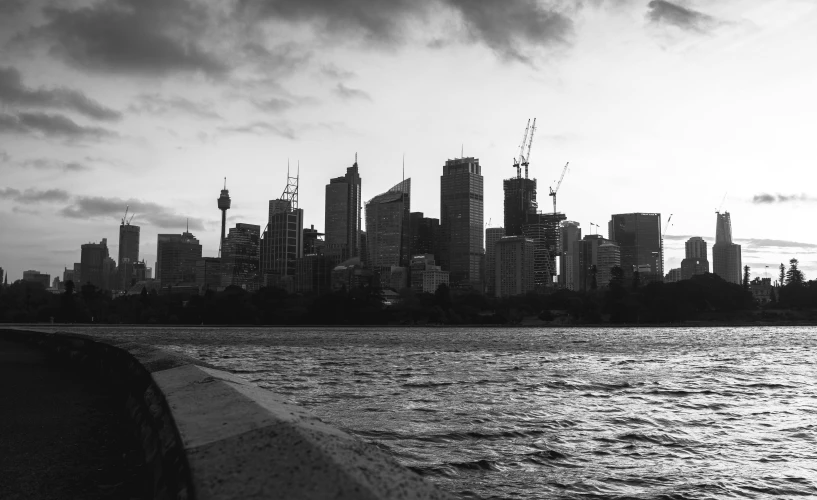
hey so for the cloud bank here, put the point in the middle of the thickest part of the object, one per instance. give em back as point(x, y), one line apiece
point(767, 199)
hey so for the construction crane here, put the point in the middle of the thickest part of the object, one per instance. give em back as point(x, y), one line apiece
point(517, 162)
point(558, 185)
point(526, 158)
point(666, 228)
point(131, 218)
point(127, 207)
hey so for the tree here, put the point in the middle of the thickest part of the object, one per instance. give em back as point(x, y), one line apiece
point(782, 278)
point(636, 280)
point(746, 278)
point(794, 276)
point(616, 277)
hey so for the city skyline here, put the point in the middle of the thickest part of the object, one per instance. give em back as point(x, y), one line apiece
point(699, 101)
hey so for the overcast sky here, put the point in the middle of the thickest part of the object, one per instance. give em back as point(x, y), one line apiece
point(672, 107)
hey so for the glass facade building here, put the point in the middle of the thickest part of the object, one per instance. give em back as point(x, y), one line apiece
point(92, 262)
point(639, 238)
point(424, 235)
point(387, 228)
point(520, 203)
point(461, 222)
point(240, 257)
point(492, 235)
point(128, 254)
point(282, 243)
point(176, 256)
point(726, 258)
point(514, 266)
point(695, 260)
point(343, 215)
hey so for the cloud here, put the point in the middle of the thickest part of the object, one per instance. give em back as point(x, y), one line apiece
point(13, 92)
point(32, 196)
point(49, 164)
point(160, 105)
point(274, 104)
point(4, 156)
point(766, 198)
point(336, 73)
point(348, 93)
point(87, 207)
point(262, 128)
point(8, 7)
point(763, 242)
point(147, 37)
point(664, 12)
point(50, 125)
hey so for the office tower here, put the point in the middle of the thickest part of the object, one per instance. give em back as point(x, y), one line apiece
point(695, 261)
point(240, 257)
point(492, 235)
point(78, 274)
point(424, 235)
point(609, 256)
point(592, 258)
point(313, 243)
point(461, 226)
point(140, 271)
point(570, 232)
point(342, 222)
point(364, 246)
point(128, 253)
point(56, 284)
point(543, 230)
point(176, 256)
point(673, 276)
point(282, 244)
point(726, 261)
point(67, 275)
point(37, 277)
point(313, 274)
point(425, 276)
point(110, 274)
point(92, 261)
point(387, 229)
point(520, 203)
point(639, 237)
point(223, 205)
point(208, 274)
point(514, 266)
point(2, 275)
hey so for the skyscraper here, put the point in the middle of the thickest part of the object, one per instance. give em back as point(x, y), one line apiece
point(639, 237)
point(37, 277)
point(514, 266)
point(223, 205)
point(92, 260)
point(461, 226)
point(239, 258)
point(342, 222)
point(128, 253)
point(520, 203)
point(695, 260)
point(387, 228)
point(282, 242)
point(424, 235)
point(593, 253)
point(570, 232)
point(543, 230)
point(492, 235)
point(726, 258)
point(176, 256)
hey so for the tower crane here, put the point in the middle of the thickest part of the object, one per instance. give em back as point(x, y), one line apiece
point(127, 207)
point(666, 228)
point(131, 218)
point(517, 162)
point(558, 185)
point(526, 158)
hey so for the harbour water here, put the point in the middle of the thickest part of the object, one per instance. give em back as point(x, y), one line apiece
point(526, 413)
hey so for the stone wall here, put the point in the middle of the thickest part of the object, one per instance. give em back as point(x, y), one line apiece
point(208, 434)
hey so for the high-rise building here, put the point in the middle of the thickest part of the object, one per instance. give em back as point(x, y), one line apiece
point(140, 271)
point(239, 258)
point(128, 253)
point(93, 264)
point(223, 205)
point(208, 274)
point(387, 229)
point(673, 276)
point(639, 237)
point(424, 235)
point(67, 275)
point(37, 277)
point(78, 274)
point(514, 266)
point(313, 274)
point(609, 256)
point(570, 232)
point(343, 222)
point(544, 229)
point(2, 275)
point(110, 274)
point(492, 235)
point(726, 258)
point(593, 258)
point(520, 203)
point(461, 226)
point(695, 260)
point(176, 256)
point(282, 244)
point(313, 244)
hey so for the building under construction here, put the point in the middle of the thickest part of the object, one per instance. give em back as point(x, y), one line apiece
point(282, 240)
point(543, 229)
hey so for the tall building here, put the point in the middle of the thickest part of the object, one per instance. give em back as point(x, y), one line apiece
point(592, 258)
point(67, 275)
point(208, 273)
point(639, 237)
point(570, 232)
point(609, 256)
point(492, 235)
point(239, 258)
point(176, 256)
point(223, 205)
point(93, 264)
point(110, 274)
point(461, 226)
point(695, 260)
point(37, 277)
point(2, 275)
point(544, 230)
point(387, 229)
point(78, 274)
point(673, 276)
point(313, 243)
point(128, 253)
point(313, 274)
point(726, 261)
point(514, 266)
point(520, 203)
point(424, 235)
point(282, 244)
point(343, 222)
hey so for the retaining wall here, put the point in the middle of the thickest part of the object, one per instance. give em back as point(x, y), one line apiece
point(208, 434)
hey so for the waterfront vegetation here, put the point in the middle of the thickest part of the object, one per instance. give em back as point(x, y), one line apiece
point(704, 298)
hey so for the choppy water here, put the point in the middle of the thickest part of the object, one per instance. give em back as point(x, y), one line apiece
point(560, 413)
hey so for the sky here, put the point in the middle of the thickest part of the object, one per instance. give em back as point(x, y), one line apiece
point(682, 108)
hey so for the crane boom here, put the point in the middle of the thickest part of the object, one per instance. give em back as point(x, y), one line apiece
point(517, 162)
point(530, 143)
point(558, 185)
point(126, 214)
point(666, 228)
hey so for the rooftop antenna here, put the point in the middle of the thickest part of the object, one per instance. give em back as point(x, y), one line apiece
point(355, 157)
point(225, 183)
point(721, 205)
point(404, 167)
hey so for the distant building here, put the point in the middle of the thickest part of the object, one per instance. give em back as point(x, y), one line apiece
point(140, 272)
point(570, 232)
point(77, 274)
point(313, 274)
point(461, 222)
point(433, 278)
point(424, 235)
point(313, 243)
point(592, 258)
point(37, 277)
point(208, 273)
point(56, 284)
point(240, 257)
point(343, 221)
point(492, 235)
point(398, 278)
point(387, 230)
point(128, 254)
point(695, 258)
point(761, 290)
point(93, 264)
point(673, 276)
point(514, 266)
point(609, 256)
point(726, 258)
point(544, 230)
point(351, 274)
point(520, 203)
point(68, 275)
point(2, 275)
point(176, 256)
point(639, 237)
point(110, 274)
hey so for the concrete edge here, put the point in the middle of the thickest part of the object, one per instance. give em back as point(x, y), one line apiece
point(209, 434)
